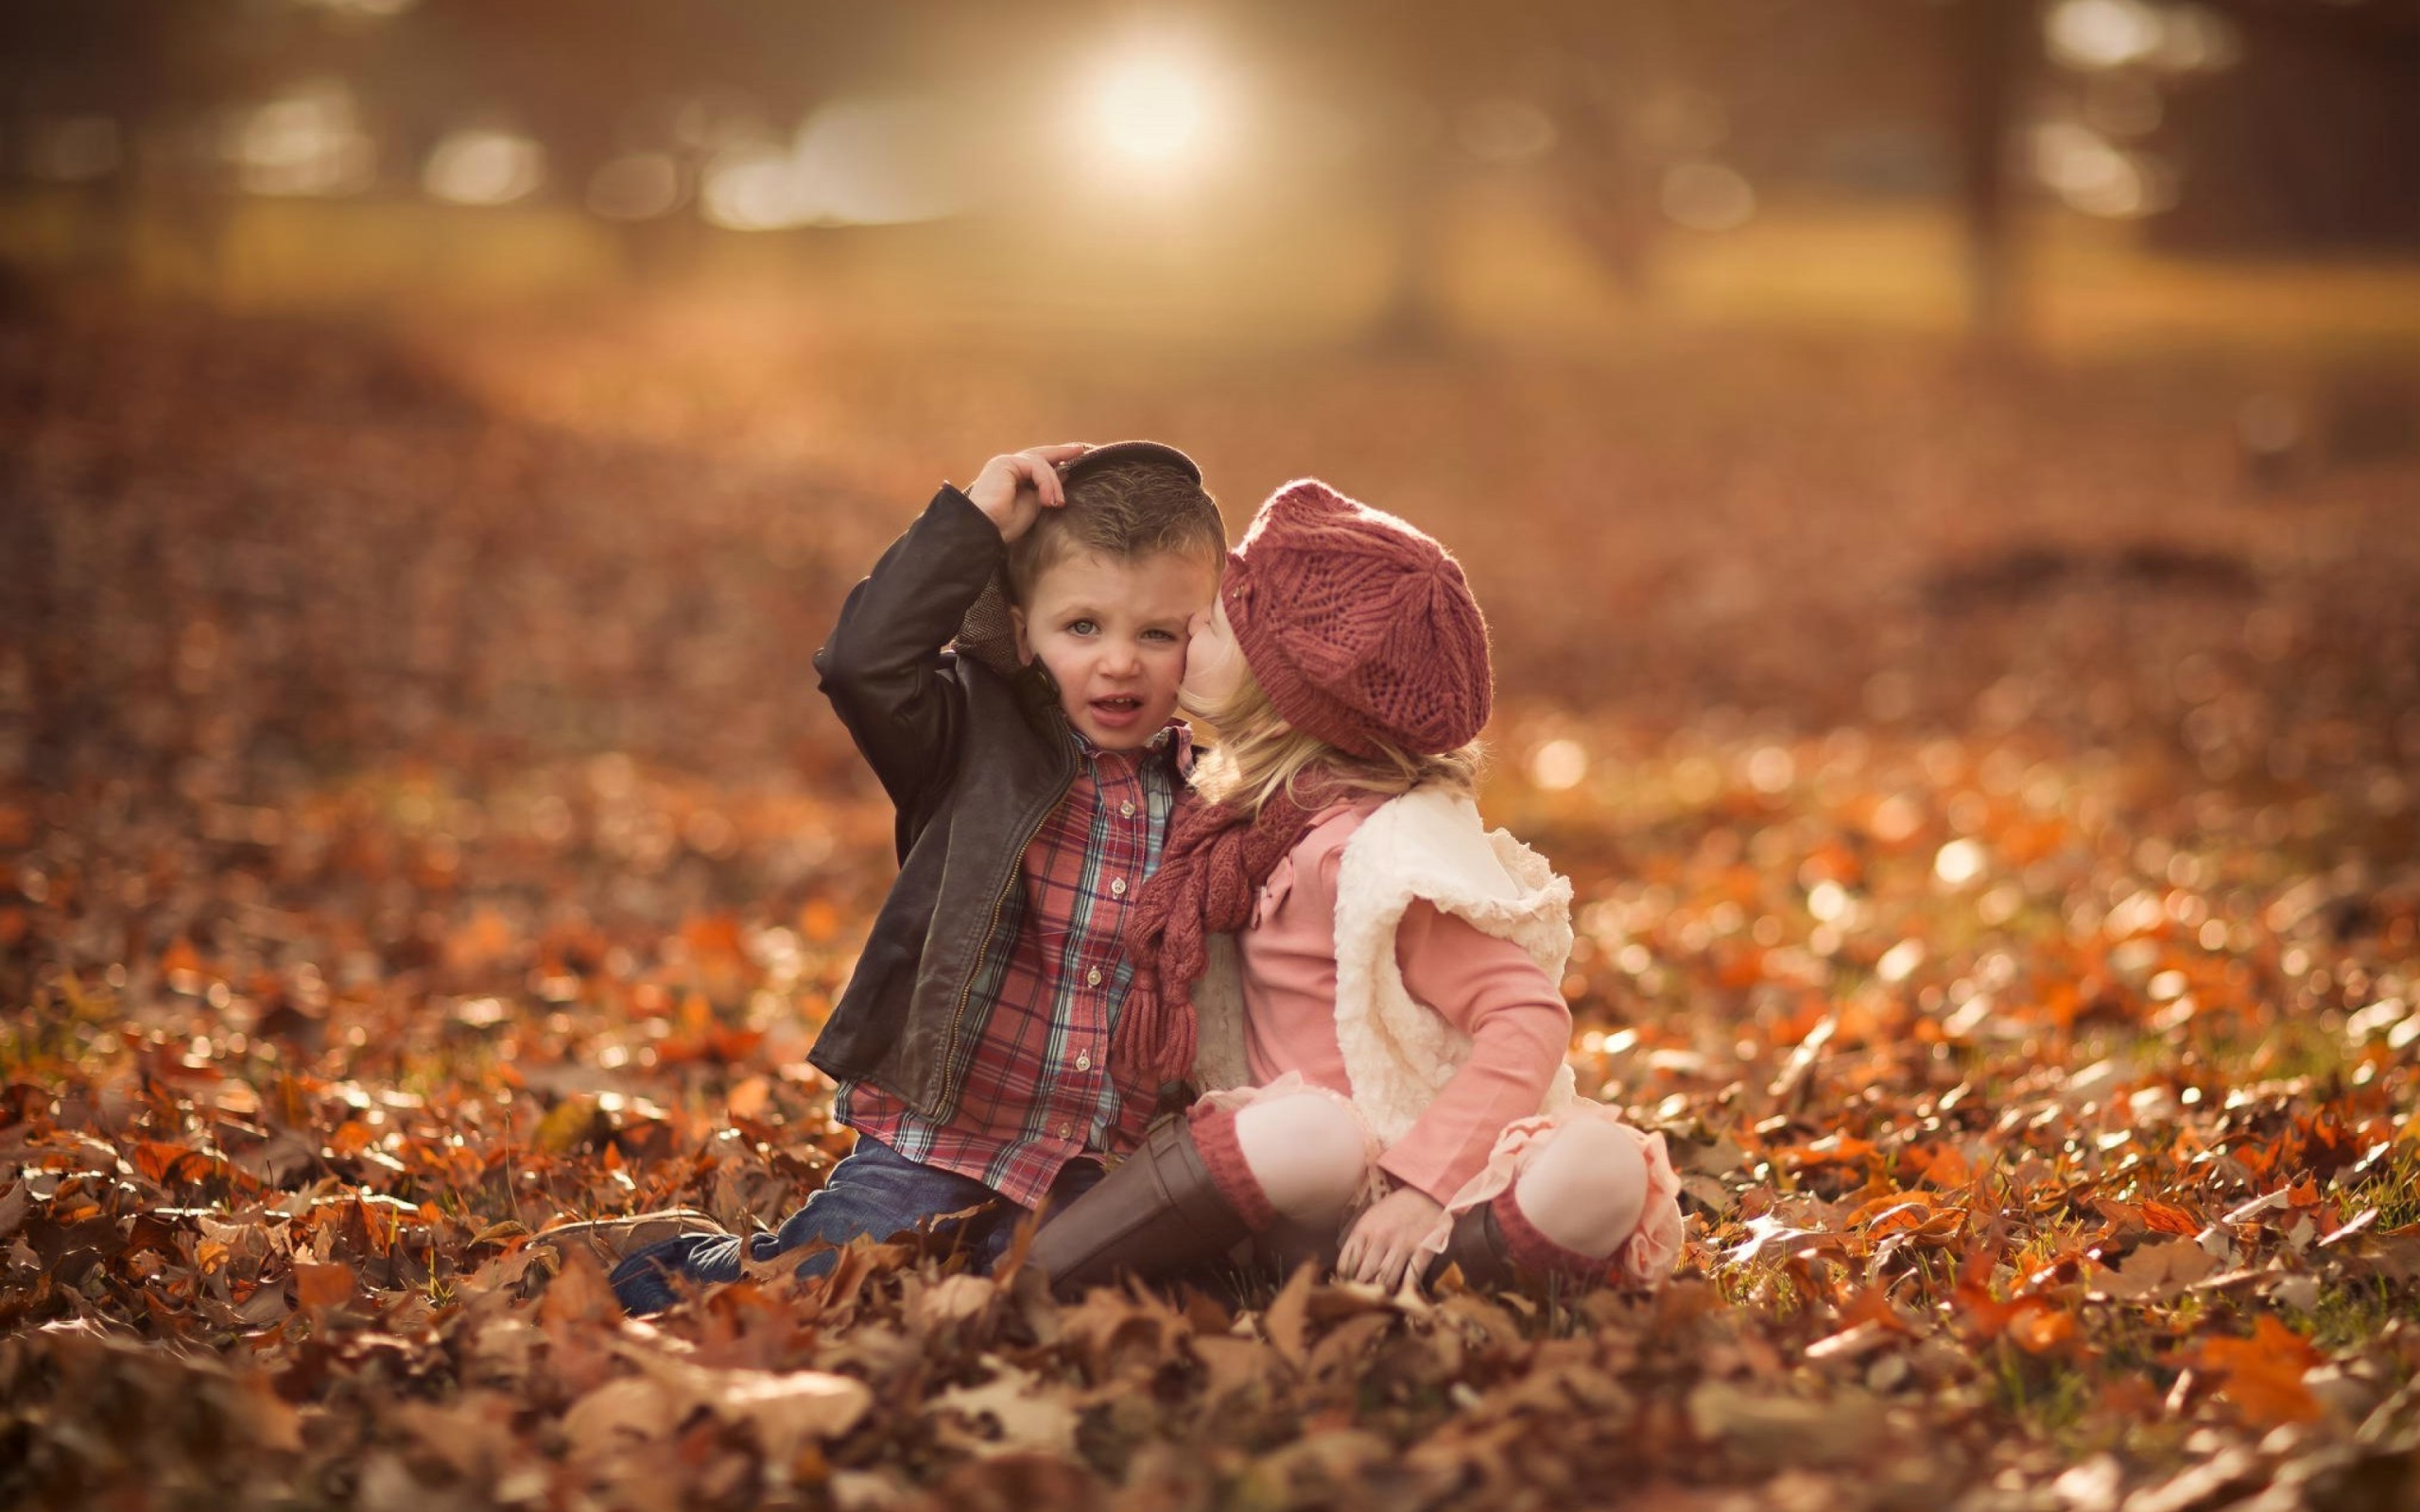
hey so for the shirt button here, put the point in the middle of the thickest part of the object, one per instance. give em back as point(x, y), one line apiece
point(1066, 1131)
point(1126, 809)
point(1092, 978)
point(1084, 1061)
point(1117, 886)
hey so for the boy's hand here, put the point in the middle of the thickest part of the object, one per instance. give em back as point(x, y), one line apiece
point(1381, 1245)
point(1014, 487)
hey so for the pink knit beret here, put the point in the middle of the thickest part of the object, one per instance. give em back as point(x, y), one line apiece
point(1359, 626)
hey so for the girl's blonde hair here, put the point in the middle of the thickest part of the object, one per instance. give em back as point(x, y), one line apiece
point(1258, 755)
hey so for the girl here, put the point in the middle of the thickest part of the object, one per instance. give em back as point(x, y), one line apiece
point(1390, 993)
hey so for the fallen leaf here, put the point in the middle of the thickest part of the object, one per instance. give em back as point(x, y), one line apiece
point(1031, 1415)
point(317, 1286)
point(1777, 1430)
point(2263, 1375)
point(634, 1409)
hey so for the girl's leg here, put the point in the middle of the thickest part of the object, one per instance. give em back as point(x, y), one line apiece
point(1303, 1153)
point(1584, 1190)
point(1578, 1198)
point(1200, 1186)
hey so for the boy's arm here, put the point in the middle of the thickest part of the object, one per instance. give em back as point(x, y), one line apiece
point(882, 667)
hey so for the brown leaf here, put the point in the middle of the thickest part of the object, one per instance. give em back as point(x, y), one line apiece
point(2263, 1375)
point(579, 1293)
point(1033, 1415)
point(1229, 1365)
point(953, 1300)
point(1286, 1316)
point(2156, 1272)
point(1777, 1430)
point(317, 1286)
point(634, 1409)
point(787, 1410)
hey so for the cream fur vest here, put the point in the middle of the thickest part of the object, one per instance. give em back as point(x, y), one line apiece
point(1429, 845)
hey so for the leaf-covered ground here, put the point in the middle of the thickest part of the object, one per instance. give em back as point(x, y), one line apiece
point(1990, 794)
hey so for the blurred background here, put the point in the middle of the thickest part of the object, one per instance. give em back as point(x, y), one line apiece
point(434, 433)
point(2077, 172)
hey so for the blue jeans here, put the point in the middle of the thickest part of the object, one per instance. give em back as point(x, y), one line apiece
point(875, 1192)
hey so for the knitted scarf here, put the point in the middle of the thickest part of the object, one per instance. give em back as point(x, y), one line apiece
point(1214, 863)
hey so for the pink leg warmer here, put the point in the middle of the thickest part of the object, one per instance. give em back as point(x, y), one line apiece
point(1577, 1201)
point(1213, 1135)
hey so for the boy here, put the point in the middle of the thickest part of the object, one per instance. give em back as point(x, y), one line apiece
point(1034, 772)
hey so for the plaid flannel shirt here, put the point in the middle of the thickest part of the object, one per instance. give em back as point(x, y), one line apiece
point(1039, 1091)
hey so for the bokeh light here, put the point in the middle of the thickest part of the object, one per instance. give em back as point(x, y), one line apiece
point(859, 162)
point(1709, 197)
point(2098, 178)
point(484, 167)
point(2103, 33)
point(1152, 110)
point(308, 140)
point(1558, 764)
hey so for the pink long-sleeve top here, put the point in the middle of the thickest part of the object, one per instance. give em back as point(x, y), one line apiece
point(1487, 988)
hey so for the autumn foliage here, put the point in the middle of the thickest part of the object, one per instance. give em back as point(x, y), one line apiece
point(1992, 815)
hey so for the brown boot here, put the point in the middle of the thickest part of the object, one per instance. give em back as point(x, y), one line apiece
point(1157, 1214)
point(1477, 1247)
point(610, 1239)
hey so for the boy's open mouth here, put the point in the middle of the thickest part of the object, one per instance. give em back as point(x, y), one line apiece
point(1120, 707)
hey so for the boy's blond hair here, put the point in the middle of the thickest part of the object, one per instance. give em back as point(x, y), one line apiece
point(1124, 511)
point(1259, 756)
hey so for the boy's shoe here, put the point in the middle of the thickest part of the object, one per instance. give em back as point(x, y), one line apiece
point(610, 1239)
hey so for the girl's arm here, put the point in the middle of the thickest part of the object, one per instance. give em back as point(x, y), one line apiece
point(1519, 1027)
point(1492, 990)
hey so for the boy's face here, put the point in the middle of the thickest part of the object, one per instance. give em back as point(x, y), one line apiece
point(1112, 634)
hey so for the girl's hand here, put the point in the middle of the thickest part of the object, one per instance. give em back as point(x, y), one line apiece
point(1015, 487)
point(1380, 1248)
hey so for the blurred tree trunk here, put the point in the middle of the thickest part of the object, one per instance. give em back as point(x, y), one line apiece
point(1613, 60)
point(1413, 319)
point(2310, 140)
point(1996, 39)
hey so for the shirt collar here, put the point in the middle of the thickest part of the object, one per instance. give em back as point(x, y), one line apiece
point(1173, 743)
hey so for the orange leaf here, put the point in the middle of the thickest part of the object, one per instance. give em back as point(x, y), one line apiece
point(1941, 1165)
point(2264, 1373)
point(322, 1285)
point(2041, 1328)
point(2163, 1218)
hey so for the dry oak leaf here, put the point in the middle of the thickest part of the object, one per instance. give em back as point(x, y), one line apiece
point(633, 1409)
point(1229, 1365)
point(788, 1410)
point(1287, 1317)
point(1032, 1415)
point(317, 1286)
point(951, 1300)
point(2263, 1375)
point(2157, 1272)
point(1773, 1430)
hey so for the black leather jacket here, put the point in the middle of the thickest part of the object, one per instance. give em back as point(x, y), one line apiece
point(974, 761)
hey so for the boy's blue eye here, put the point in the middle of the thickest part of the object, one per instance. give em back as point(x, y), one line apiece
point(1161, 635)
point(1081, 626)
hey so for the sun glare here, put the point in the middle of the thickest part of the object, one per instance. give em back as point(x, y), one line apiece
point(1153, 111)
